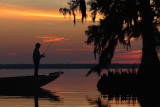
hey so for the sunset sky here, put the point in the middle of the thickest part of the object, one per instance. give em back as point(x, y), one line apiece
point(26, 22)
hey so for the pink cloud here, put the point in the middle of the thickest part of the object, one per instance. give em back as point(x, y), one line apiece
point(135, 52)
point(75, 49)
point(132, 61)
point(12, 54)
point(85, 62)
point(53, 39)
point(123, 56)
point(50, 39)
point(128, 57)
point(43, 37)
point(88, 46)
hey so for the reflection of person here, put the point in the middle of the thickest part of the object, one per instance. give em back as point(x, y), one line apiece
point(36, 101)
point(36, 58)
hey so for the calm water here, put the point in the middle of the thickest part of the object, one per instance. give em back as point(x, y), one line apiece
point(72, 89)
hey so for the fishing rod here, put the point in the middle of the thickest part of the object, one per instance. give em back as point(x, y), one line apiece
point(47, 48)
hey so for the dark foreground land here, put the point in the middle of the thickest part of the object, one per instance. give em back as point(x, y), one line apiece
point(65, 66)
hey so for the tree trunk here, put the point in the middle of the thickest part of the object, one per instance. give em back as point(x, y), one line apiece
point(150, 65)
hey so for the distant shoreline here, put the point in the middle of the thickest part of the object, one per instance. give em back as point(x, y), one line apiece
point(65, 66)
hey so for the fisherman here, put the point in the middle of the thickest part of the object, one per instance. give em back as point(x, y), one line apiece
point(36, 58)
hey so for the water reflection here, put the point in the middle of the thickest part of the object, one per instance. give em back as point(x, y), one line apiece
point(98, 102)
point(35, 94)
point(146, 96)
point(109, 101)
point(79, 91)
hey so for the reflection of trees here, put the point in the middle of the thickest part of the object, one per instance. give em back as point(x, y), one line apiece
point(106, 101)
point(145, 100)
point(147, 97)
point(122, 21)
point(98, 102)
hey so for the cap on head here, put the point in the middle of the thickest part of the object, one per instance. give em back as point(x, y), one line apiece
point(38, 44)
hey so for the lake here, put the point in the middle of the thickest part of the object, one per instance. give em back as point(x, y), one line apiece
point(71, 89)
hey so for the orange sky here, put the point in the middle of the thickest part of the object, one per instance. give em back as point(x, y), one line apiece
point(18, 12)
point(23, 23)
point(28, 13)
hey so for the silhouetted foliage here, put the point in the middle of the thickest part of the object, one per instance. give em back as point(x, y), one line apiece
point(122, 21)
point(73, 6)
point(119, 80)
point(120, 85)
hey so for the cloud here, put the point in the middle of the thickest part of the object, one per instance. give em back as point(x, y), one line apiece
point(74, 49)
point(83, 48)
point(29, 13)
point(12, 54)
point(13, 11)
point(135, 52)
point(55, 39)
point(131, 61)
point(128, 57)
point(44, 37)
point(85, 62)
point(51, 38)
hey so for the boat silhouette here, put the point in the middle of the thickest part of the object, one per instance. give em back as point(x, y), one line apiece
point(28, 82)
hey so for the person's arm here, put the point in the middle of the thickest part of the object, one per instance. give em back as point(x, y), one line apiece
point(42, 56)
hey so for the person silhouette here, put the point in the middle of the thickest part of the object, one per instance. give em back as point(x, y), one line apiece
point(36, 58)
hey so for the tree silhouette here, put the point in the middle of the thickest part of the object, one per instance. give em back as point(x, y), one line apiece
point(73, 6)
point(122, 20)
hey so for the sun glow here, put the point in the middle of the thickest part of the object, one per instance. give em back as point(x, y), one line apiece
point(30, 13)
point(131, 39)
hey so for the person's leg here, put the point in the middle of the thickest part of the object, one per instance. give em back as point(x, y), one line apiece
point(36, 72)
point(36, 67)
